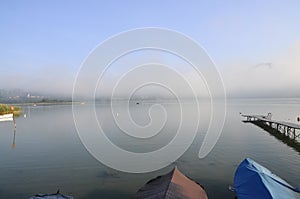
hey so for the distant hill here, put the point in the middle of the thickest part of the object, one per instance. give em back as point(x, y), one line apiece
point(16, 96)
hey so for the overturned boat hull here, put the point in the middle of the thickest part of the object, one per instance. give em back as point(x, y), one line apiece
point(252, 180)
point(171, 185)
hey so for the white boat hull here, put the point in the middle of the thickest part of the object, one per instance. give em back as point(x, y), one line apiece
point(6, 117)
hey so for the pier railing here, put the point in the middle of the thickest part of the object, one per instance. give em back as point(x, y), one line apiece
point(286, 128)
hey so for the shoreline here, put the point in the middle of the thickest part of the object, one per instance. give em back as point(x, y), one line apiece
point(43, 103)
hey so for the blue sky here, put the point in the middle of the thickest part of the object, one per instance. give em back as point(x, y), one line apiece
point(44, 40)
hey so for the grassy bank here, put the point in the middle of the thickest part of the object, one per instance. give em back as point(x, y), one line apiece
point(6, 109)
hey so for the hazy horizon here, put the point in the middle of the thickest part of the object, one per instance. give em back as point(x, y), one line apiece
point(257, 55)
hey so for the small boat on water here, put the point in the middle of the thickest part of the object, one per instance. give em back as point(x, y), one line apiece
point(170, 186)
point(252, 180)
point(6, 117)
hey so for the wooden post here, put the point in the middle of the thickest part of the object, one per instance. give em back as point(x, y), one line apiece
point(294, 134)
point(14, 119)
point(285, 130)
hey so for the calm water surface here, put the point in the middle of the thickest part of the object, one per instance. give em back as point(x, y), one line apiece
point(45, 153)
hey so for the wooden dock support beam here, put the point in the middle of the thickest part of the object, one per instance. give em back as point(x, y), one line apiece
point(286, 128)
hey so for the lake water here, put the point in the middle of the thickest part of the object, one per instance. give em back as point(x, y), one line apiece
point(48, 155)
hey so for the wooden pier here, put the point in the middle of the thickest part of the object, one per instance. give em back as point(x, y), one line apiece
point(287, 128)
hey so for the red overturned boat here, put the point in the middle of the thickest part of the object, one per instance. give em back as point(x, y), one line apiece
point(170, 186)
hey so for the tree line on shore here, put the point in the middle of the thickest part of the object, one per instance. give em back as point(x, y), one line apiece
point(7, 109)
